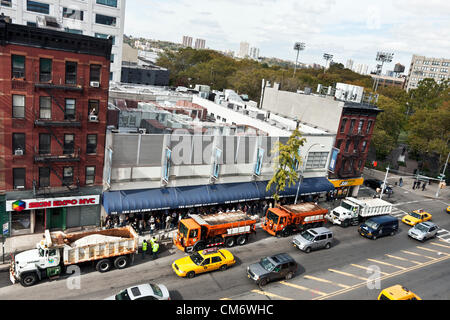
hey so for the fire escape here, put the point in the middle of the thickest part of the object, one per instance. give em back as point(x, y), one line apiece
point(71, 153)
point(352, 157)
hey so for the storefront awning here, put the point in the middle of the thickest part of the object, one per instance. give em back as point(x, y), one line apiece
point(144, 200)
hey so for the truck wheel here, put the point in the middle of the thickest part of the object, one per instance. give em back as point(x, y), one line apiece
point(103, 265)
point(29, 279)
point(230, 242)
point(345, 223)
point(308, 250)
point(190, 274)
point(241, 240)
point(121, 262)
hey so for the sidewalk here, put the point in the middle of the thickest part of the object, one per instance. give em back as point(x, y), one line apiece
point(408, 181)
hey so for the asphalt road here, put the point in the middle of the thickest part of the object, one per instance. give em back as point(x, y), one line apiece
point(342, 272)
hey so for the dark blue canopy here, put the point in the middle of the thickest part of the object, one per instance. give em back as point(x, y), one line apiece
point(143, 200)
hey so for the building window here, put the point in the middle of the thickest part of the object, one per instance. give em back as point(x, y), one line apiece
point(94, 74)
point(93, 107)
point(44, 177)
point(91, 145)
point(364, 146)
point(71, 72)
point(45, 70)
point(73, 14)
point(90, 175)
point(112, 58)
point(110, 3)
point(18, 106)
point(68, 175)
point(38, 7)
point(74, 31)
point(347, 145)
point(360, 126)
point(31, 24)
point(69, 144)
point(106, 20)
point(339, 143)
point(317, 160)
point(45, 107)
point(6, 3)
point(19, 178)
point(18, 144)
point(352, 125)
point(105, 36)
point(69, 112)
point(18, 67)
point(44, 143)
point(343, 124)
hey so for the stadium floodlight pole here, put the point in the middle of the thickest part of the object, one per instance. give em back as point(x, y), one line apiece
point(299, 46)
point(327, 58)
point(383, 57)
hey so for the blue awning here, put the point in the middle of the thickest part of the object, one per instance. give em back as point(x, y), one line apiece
point(144, 200)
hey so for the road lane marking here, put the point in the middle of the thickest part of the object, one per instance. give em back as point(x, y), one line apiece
point(394, 274)
point(403, 259)
point(431, 250)
point(420, 255)
point(440, 245)
point(348, 274)
point(296, 286)
point(367, 269)
point(385, 263)
point(327, 281)
point(272, 295)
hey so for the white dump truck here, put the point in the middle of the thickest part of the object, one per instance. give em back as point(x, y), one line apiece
point(58, 250)
point(352, 211)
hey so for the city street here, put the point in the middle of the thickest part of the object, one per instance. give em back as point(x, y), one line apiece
point(342, 272)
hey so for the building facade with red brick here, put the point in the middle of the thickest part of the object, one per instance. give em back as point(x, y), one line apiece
point(53, 109)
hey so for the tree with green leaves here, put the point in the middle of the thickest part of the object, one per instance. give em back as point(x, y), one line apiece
point(286, 162)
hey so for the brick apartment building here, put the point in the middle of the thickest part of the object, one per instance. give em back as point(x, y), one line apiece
point(53, 106)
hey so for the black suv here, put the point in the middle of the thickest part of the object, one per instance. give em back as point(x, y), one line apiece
point(374, 184)
point(280, 266)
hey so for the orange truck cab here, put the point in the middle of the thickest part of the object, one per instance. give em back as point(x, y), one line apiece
point(221, 229)
point(283, 221)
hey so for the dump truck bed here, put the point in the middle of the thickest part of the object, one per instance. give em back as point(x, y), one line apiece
point(306, 208)
point(94, 245)
point(223, 218)
point(371, 207)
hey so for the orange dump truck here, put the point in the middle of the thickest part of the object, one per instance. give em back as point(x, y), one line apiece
point(289, 219)
point(220, 229)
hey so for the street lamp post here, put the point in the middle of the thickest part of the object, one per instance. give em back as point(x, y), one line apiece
point(384, 184)
point(299, 46)
point(442, 176)
point(300, 181)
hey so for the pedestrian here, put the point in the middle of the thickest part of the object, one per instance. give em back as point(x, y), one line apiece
point(155, 248)
point(152, 227)
point(168, 219)
point(418, 185)
point(144, 248)
point(423, 186)
point(400, 182)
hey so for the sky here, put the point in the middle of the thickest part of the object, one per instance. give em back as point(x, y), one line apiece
point(347, 29)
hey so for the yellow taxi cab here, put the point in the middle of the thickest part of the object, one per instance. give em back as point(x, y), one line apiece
point(397, 292)
point(416, 217)
point(448, 209)
point(203, 261)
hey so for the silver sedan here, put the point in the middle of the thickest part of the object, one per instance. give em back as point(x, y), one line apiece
point(423, 231)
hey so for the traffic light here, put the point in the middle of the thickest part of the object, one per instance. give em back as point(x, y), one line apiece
point(374, 163)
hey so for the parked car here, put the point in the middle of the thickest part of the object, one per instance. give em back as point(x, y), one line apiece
point(416, 217)
point(313, 239)
point(379, 226)
point(378, 184)
point(203, 261)
point(423, 231)
point(280, 266)
point(147, 291)
point(397, 292)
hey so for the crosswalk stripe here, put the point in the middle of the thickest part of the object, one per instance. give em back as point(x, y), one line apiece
point(442, 230)
point(420, 255)
point(327, 281)
point(388, 264)
point(296, 286)
point(403, 259)
point(366, 268)
point(348, 274)
point(265, 293)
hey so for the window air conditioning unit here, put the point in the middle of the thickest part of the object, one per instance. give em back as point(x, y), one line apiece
point(18, 152)
point(93, 118)
point(142, 131)
point(20, 187)
point(95, 84)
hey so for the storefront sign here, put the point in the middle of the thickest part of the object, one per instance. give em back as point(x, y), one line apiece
point(31, 204)
point(347, 183)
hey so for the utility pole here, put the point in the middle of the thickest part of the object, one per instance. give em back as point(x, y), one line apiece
point(442, 176)
point(384, 184)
